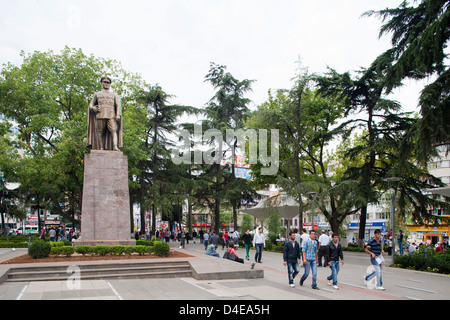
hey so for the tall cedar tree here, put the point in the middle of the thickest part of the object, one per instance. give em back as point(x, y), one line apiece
point(420, 35)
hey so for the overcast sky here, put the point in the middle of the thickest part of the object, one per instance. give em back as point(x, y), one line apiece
point(172, 42)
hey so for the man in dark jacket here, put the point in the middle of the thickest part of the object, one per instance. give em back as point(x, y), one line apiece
point(334, 252)
point(291, 257)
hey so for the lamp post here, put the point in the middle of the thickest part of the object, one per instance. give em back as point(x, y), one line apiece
point(393, 194)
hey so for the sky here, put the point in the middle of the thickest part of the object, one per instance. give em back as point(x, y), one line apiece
point(173, 42)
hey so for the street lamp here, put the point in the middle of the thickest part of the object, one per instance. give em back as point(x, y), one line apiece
point(10, 186)
point(393, 194)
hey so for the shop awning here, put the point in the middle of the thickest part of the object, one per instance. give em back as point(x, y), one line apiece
point(285, 205)
point(444, 191)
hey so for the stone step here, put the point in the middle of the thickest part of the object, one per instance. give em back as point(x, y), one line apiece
point(102, 271)
point(111, 265)
point(142, 275)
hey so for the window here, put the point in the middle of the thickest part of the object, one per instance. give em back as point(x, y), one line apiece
point(445, 180)
point(443, 148)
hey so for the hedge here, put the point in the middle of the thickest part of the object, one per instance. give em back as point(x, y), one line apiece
point(437, 262)
point(41, 249)
point(13, 244)
point(62, 250)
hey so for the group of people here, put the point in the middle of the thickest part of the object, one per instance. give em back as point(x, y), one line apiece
point(306, 248)
point(58, 234)
point(257, 241)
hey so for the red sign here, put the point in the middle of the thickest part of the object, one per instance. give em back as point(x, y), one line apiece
point(201, 225)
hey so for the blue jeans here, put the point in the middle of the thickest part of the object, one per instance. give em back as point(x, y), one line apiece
point(206, 244)
point(215, 254)
point(293, 271)
point(334, 272)
point(259, 250)
point(310, 264)
point(400, 246)
point(225, 243)
point(376, 273)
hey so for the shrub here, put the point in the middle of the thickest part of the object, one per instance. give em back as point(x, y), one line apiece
point(144, 243)
point(117, 250)
point(278, 248)
point(128, 250)
point(102, 250)
point(39, 249)
point(62, 250)
point(84, 250)
point(353, 248)
point(161, 249)
point(56, 244)
point(142, 250)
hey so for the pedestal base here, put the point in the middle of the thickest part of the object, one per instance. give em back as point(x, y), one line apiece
point(105, 215)
point(105, 242)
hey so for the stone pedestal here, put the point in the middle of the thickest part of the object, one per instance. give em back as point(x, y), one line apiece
point(105, 215)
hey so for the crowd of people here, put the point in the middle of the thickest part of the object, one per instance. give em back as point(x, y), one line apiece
point(58, 234)
point(305, 249)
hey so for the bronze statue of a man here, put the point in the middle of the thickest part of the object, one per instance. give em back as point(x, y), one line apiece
point(105, 131)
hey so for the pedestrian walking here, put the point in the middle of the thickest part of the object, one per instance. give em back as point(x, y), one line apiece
point(291, 258)
point(214, 239)
point(303, 238)
point(194, 236)
point(52, 235)
point(375, 249)
point(334, 252)
point(247, 238)
point(400, 242)
point(310, 257)
point(236, 236)
point(298, 238)
point(259, 242)
point(42, 237)
point(200, 233)
point(205, 239)
point(182, 240)
point(324, 240)
point(225, 239)
point(167, 235)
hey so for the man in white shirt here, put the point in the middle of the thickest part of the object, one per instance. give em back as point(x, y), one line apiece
point(298, 238)
point(304, 237)
point(412, 248)
point(259, 242)
point(324, 240)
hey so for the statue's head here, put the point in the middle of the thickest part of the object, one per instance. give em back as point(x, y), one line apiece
point(106, 83)
point(105, 78)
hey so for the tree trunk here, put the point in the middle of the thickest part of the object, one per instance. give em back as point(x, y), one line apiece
point(217, 216)
point(362, 226)
point(153, 220)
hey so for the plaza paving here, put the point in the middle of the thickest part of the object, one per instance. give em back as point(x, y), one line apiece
point(400, 284)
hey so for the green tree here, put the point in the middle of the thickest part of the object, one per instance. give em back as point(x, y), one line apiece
point(382, 151)
point(419, 37)
point(47, 97)
point(227, 110)
point(159, 178)
point(307, 123)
